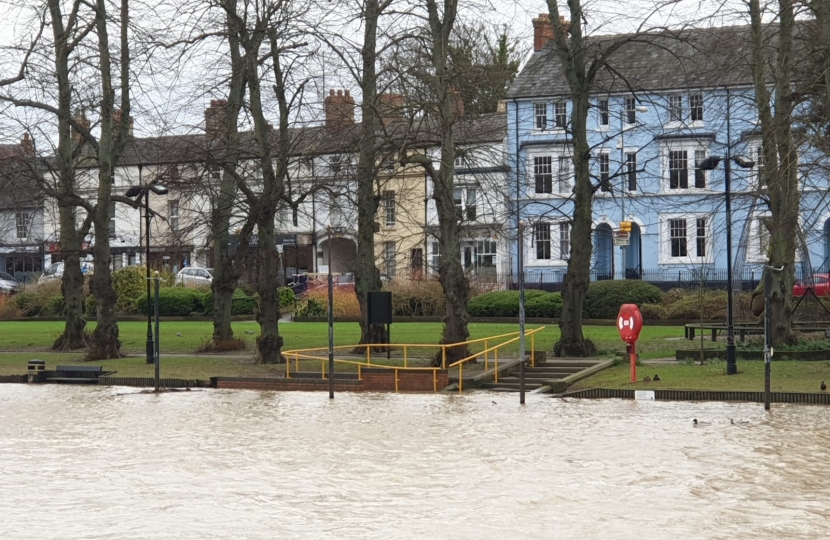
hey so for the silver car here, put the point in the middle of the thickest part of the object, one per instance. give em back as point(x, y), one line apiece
point(55, 272)
point(194, 277)
point(8, 285)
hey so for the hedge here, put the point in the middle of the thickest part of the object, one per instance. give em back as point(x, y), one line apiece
point(604, 298)
point(174, 302)
point(506, 303)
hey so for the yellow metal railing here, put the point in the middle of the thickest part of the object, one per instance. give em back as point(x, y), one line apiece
point(460, 363)
point(314, 355)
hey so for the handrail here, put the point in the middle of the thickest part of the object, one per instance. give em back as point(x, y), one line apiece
point(297, 354)
point(495, 349)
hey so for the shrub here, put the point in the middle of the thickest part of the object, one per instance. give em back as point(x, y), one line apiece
point(312, 308)
point(30, 304)
point(128, 283)
point(242, 304)
point(689, 307)
point(504, 303)
point(287, 297)
point(416, 298)
point(55, 306)
point(173, 302)
point(90, 308)
point(8, 308)
point(652, 312)
point(604, 298)
point(547, 305)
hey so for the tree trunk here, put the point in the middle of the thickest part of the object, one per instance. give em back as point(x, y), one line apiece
point(105, 342)
point(72, 284)
point(572, 342)
point(226, 266)
point(269, 342)
point(780, 163)
point(367, 277)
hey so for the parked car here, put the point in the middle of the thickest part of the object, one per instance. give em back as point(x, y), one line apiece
point(194, 277)
point(55, 272)
point(821, 286)
point(8, 285)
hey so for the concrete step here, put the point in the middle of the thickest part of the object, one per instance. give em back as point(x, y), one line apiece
point(553, 370)
point(569, 365)
point(515, 378)
point(318, 375)
point(511, 385)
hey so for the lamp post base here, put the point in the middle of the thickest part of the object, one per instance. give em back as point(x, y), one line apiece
point(731, 362)
point(151, 351)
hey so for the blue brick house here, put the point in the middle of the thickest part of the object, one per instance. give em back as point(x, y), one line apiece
point(667, 103)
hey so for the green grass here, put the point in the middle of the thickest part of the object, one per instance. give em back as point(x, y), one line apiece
point(655, 341)
point(787, 376)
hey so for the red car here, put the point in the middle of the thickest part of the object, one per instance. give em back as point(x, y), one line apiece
point(821, 286)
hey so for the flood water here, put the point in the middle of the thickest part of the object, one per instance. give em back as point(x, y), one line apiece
point(109, 463)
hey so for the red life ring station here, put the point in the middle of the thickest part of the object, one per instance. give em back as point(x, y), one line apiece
point(629, 324)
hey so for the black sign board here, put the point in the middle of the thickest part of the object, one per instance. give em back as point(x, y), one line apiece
point(380, 307)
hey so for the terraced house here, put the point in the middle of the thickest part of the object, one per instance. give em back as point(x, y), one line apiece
point(317, 228)
point(663, 103)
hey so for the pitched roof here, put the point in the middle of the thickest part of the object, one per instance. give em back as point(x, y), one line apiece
point(306, 141)
point(652, 61)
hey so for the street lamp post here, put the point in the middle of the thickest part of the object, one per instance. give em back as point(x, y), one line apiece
point(625, 173)
point(521, 313)
point(137, 192)
point(331, 233)
point(709, 164)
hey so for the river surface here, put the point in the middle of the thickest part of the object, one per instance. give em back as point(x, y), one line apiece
point(80, 462)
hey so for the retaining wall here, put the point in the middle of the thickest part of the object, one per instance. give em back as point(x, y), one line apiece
point(383, 380)
point(705, 395)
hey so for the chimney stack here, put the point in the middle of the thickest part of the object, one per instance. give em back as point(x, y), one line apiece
point(80, 119)
point(390, 108)
point(216, 118)
point(27, 145)
point(543, 30)
point(116, 123)
point(339, 111)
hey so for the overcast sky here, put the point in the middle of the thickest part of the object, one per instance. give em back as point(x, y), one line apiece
point(179, 99)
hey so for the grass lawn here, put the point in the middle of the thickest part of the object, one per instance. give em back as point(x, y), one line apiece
point(655, 341)
point(787, 376)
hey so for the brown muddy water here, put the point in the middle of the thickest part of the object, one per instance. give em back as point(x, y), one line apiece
point(109, 463)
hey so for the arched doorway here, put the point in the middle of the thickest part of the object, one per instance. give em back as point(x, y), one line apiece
point(634, 254)
point(343, 253)
point(603, 252)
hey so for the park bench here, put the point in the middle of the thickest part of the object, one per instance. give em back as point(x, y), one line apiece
point(743, 330)
point(78, 374)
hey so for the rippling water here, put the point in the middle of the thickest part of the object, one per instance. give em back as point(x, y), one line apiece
point(109, 463)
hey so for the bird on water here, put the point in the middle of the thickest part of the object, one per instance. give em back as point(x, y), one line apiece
point(695, 423)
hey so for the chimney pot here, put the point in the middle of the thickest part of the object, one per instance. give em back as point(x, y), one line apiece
point(339, 111)
point(27, 145)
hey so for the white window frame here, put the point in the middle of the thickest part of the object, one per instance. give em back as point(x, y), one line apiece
point(757, 232)
point(540, 116)
point(560, 115)
point(691, 239)
point(629, 111)
point(600, 112)
point(702, 106)
point(434, 256)
point(674, 107)
point(23, 225)
point(604, 162)
point(557, 257)
point(691, 147)
point(556, 179)
point(486, 248)
point(389, 208)
point(112, 224)
point(390, 255)
point(173, 218)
